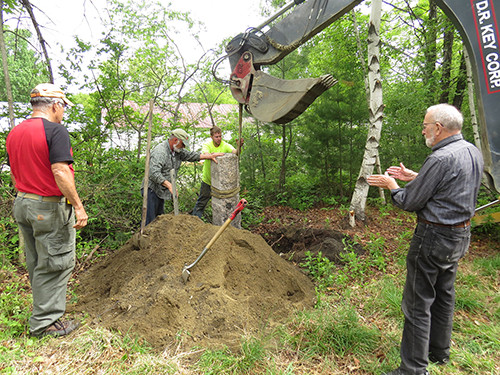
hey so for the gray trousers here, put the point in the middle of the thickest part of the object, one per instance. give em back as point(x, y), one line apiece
point(49, 236)
point(429, 293)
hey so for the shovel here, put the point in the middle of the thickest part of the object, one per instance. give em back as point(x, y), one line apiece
point(185, 271)
point(174, 189)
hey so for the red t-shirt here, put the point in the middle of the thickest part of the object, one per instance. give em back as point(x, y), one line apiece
point(32, 147)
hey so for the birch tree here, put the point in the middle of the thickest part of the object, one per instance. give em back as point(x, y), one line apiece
point(376, 110)
point(472, 104)
point(367, 89)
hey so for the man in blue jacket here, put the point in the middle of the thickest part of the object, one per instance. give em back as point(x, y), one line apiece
point(444, 196)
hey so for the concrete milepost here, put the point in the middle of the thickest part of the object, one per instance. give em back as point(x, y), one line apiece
point(225, 189)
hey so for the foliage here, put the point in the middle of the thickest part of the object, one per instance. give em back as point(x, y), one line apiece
point(327, 275)
point(320, 268)
point(25, 68)
point(376, 247)
point(15, 304)
point(8, 226)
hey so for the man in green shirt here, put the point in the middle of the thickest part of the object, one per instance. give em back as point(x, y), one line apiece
point(216, 145)
point(166, 156)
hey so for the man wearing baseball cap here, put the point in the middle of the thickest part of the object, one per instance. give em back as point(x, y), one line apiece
point(164, 157)
point(40, 157)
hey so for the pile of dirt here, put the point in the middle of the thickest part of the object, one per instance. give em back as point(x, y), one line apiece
point(239, 286)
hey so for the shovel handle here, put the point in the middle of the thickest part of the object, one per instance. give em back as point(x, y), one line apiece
point(241, 205)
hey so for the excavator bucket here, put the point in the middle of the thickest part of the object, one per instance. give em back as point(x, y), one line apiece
point(271, 99)
point(280, 101)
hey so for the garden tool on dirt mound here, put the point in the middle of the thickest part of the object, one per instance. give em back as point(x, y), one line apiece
point(175, 199)
point(185, 271)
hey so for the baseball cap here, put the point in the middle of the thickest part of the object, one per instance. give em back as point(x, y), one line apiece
point(183, 136)
point(49, 90)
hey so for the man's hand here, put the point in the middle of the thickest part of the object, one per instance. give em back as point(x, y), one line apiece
point(212, 156)
point(382, 180)
point(81, 218)
point(66, 183)
point(169, 186)
point(401, 173)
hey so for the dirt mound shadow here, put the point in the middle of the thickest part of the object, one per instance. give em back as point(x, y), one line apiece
point(239, 286)
point(296, 241)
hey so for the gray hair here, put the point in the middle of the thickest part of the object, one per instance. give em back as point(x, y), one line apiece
point(446, 114)
point(43, 102)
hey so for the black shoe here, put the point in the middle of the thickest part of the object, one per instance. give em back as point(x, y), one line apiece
point(400, 371)
point(59, 328)
point(437, 360)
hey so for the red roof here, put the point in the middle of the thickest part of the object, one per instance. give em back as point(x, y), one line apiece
point(194, 114)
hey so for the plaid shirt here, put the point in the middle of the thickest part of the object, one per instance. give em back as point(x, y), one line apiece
point(162, 160)
point(445, 190)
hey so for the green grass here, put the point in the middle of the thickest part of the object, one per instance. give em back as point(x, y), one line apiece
point(331, 329)
point(387, 301)
point(489, 266)
point(253, 353)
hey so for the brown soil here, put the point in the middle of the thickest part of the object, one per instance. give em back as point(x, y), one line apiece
point(241, 285)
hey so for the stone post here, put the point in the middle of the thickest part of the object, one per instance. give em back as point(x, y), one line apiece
point(225, 189)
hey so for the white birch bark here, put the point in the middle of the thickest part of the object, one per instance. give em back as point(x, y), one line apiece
point(376, 108)
point(472, 103)
point(367, 89)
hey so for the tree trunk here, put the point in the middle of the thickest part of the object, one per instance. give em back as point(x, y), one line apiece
point(447, 59)
point(10, 100)
point(472, 103)
point(361, 55)
point(367, 86)
point(430, 44)
point(5, 66)
point(284, 156)
point(340, 161)
point(461, 83)
point(376, 109)
point(43, 43)
point(260, 150)
point(283, 160)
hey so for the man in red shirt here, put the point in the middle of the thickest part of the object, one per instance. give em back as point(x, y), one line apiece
point(40, 157)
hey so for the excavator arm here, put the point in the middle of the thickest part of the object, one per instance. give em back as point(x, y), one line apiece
point(271, 99)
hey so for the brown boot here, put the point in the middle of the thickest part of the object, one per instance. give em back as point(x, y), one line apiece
point(59, 328)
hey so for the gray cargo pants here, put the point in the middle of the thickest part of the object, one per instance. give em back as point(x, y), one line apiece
point(49, 236)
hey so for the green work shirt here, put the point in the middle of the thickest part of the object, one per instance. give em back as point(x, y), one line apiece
point(209, 148)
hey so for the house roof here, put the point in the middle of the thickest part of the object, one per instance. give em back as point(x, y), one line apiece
point(194, 114)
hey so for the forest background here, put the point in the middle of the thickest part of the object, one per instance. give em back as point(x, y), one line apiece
point(311, 163)
point(314, 160)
